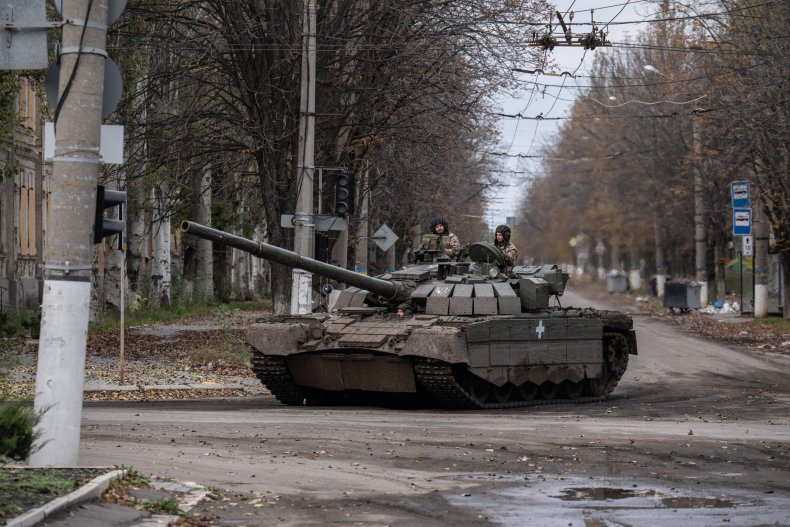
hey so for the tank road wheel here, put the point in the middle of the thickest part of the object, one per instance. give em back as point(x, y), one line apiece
point(548, 390)
point(504, 393)
point(572, 390)
point(528, 391)
point(479, 390)
point(597, 387)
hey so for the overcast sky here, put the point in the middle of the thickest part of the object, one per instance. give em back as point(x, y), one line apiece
point(527, 136)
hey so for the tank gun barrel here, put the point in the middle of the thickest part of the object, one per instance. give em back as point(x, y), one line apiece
point(393, 292)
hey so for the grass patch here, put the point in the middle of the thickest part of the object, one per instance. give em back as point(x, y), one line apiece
point(23, 323)
point(776, 323)
point(164, 506)
point(23, 489)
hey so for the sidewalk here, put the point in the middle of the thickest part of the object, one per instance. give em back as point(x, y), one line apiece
point(85, 507)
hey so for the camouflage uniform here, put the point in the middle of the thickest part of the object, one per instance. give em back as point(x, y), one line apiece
point(508, 250)
point(447, 240)
point(509, 254)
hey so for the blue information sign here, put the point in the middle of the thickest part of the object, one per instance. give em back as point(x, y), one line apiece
point(742, 222)
point(739, 190)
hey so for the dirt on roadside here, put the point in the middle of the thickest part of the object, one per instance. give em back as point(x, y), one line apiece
point(771, 334)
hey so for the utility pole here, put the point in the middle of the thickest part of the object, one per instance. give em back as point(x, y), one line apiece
point(304, 227)
point(68, 253)
point(700, 238)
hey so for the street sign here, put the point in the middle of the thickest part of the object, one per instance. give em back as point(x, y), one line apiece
point(748, 248)
point(384, 237)
point(323, 222)
point(740, 193)
point(742, 222)
point(24, 35)
point(110, 143)
point(111, 96)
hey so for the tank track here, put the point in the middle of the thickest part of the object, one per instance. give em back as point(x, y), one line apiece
point(438, 379)
point(274, 374)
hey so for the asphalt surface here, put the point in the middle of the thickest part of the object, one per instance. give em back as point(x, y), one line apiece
point(695, 433)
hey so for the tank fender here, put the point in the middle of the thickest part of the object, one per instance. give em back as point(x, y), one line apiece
point(277, 338)
point(440, 343)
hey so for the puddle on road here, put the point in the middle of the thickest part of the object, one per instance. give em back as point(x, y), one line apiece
point(697, 503)
point(602, 493)
point(584, 502)
point(609, 493)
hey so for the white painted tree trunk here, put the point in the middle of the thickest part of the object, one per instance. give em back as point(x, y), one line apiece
point(160, 271)
point(204, 265)
point(136, 251)
point(239, 263)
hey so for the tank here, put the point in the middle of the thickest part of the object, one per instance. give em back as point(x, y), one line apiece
point(459, 334)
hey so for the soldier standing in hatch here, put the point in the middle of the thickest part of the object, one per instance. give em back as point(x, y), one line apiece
point(508, 250)
point(447, 240)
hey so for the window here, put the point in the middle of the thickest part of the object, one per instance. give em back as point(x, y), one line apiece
point(28, 104)
point(27, 221)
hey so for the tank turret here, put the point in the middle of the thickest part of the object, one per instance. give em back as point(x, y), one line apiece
point(460, 334)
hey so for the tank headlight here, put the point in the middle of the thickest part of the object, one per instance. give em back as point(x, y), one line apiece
point(493, 272)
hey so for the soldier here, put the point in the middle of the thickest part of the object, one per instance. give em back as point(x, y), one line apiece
point(508, 250)
point(447, 240)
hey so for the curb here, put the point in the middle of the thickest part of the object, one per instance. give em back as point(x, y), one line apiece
point(167, 387)
point(93, 489)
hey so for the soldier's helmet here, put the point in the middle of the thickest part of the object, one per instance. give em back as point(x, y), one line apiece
point(505, 230)
point(439, 221)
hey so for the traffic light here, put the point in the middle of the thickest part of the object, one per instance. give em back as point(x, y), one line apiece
point(344, 193)
point(104, 227)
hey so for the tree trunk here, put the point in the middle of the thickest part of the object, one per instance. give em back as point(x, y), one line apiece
point(635, 271)
point(160, 272)
point(761, 232)
point(260, 268)
point(661, 272)
point(700, 213)
point(198, 253)
point(361, 253)
point(785, 258)
point(719, 258)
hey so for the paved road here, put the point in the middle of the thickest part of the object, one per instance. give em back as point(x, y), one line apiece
point(696, 433)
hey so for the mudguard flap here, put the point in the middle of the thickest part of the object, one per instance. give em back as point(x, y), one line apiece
point(276, 338)
point(441, 343)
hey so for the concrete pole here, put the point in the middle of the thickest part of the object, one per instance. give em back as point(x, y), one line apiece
point(761, 234)
point(304, 228)
point(69, 246)
point(363, 236)
point(700, 233)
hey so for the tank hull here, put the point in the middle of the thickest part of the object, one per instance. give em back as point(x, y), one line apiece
point(556, 355)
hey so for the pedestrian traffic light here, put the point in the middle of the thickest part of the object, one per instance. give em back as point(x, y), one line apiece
point(344, 193)
point(104, 227)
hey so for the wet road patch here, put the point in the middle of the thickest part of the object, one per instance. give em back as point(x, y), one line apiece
point(586, 502)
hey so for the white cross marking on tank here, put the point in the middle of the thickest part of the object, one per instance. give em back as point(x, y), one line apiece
point(540, 329)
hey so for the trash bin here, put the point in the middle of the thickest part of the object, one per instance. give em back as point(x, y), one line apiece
point(616, 282)
point(682, 295)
